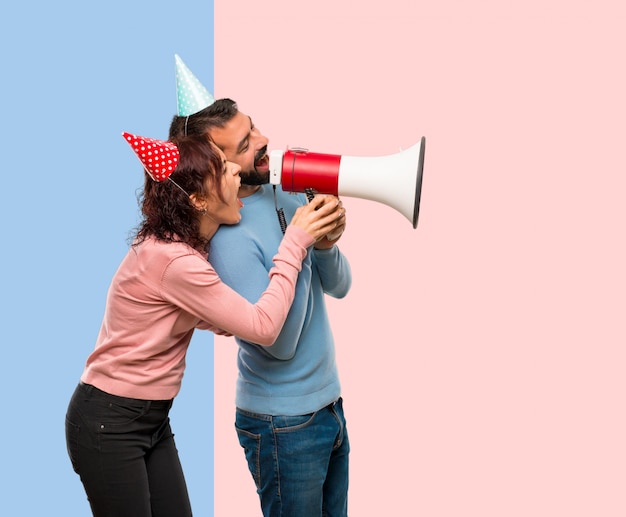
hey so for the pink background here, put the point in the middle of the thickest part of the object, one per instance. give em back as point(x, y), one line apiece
point(482, 354)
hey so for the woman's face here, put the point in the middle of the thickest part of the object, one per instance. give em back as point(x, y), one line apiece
point(227, 211)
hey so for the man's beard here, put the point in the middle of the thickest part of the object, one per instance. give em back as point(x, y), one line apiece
point(254, 178)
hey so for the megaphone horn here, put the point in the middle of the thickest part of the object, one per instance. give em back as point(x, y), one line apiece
point(394, 180)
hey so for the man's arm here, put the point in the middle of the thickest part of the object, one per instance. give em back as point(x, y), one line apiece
point(334, 271)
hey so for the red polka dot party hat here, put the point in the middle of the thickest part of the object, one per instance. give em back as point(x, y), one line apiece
point(159, 158)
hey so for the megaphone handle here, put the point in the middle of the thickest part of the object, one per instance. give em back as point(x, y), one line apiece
point(310, 194)
point(281, 220)
point(280, 213)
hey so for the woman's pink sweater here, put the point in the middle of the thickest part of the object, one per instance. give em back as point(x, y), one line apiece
point(163, 291)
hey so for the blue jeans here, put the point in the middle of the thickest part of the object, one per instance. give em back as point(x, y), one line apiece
point(299, 463)
point(124, 451)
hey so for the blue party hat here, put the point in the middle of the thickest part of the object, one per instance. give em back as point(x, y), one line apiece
point(191, 95)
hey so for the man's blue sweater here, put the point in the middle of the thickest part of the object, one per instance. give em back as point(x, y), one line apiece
point(298, 374)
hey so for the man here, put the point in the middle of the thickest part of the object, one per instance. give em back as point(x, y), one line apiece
point(289, 415)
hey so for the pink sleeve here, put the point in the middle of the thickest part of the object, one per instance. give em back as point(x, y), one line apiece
point(192, 284)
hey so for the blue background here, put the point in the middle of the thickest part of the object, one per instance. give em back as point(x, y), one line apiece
point(74, 76)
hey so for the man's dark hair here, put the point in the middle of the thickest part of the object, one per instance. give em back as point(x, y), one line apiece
point(216, 115)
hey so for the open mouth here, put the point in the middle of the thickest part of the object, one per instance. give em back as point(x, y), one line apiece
point(262, 161)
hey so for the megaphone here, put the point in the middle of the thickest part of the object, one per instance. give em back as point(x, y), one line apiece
point(394, 180)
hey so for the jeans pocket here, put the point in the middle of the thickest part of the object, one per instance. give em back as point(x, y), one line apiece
point(286, 424)
point(115, 415)
point(71, 440)
point(251, 444)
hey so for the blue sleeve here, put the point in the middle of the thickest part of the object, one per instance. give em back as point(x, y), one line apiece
point(334, 271)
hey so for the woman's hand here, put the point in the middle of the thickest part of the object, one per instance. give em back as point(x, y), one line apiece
point(322, 215)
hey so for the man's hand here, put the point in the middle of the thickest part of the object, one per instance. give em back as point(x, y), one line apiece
point(331, 238)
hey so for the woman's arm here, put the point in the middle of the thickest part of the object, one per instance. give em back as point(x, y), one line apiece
point(192, 284)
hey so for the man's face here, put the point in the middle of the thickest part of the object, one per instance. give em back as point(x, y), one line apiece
point(244, 145)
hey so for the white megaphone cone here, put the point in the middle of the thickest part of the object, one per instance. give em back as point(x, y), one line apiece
point(394, 180)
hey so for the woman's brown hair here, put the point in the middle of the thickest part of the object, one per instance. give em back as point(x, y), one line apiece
point(168, 213)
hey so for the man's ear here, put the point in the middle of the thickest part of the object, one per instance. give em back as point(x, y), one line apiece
point(198, 202)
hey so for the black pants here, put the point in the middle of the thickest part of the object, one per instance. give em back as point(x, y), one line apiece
point(124, 451)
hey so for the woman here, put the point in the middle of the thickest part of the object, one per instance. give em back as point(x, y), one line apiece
point(117, 427)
